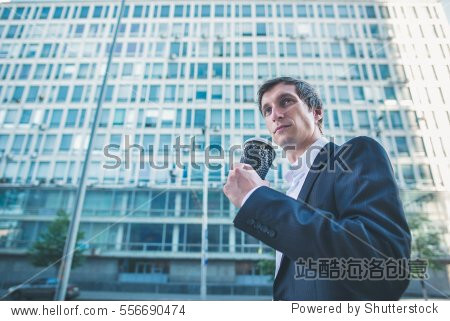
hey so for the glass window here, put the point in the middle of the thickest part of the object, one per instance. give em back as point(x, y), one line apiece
point(17, 144)
point(248, 93)
point(201, 92)
point(97, 12)
point(246, 11)
point(32, 94)
point(172, 70)
point(168, 118)
point(389, 92)
point(26, 116)
point(408, 174)
point(219, 10)
point(247, 49)
point(347, 119)
point(17, 94)
point(5, 13)
point(165, 142)
point(84, 12)
point(165, 10)
point(137, 13)
point(384, 71)
point(157, 71)
point(343, 11)
point(237, 118)
point(402, 146)
point(127, 69)
point(261, 29)
point(49, 144)
point(10, 116)
point(77, 94)
point(42, 171)
point(425, 174)
point(119, 117)
point(358, 93)
point(370, 11)
point(56, 118)
point(104, 118)
point(418, 145)
point(260, 10)
point(291, 49)
point(336, 50)
point(350, 50)
point(287, 10)
point(62, 93)
point(124, 93)
point(329, 12)
point(25, 71)
point(216, 92)
point(217, 70)
point(396, 119)
point(39, 72)
point(216, 118)
point(202, 70)
point(343, 94)
point(60, 169)
point(169, 93)
point(151, 118)
point(178, 11)
point(249, 119)
point(261, 48)
point(66, 142)
point(71, 118)
point(199, 118)
point(363, 119)
point(205, 10)
point(154, 93)
point(301, 11)
point(44, 13)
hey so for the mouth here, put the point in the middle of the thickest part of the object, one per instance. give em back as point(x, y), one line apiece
point(281, 128)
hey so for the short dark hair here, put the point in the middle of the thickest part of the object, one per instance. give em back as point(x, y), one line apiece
point(304, 91)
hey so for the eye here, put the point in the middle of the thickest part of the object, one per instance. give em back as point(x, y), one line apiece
point(285, 101)
point(267, 111)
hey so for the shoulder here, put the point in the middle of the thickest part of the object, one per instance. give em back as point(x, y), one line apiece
point(363, 150)
point(363, 144)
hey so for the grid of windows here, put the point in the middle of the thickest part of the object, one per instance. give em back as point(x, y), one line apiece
point(187, 69)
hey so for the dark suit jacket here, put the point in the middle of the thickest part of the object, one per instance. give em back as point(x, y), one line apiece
point(348, 207)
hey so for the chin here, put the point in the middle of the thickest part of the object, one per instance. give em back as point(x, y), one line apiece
point(284, 142)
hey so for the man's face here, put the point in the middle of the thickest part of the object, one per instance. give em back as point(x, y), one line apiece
point(287, 117)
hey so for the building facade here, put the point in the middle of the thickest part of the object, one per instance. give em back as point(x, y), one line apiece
point(186, 73)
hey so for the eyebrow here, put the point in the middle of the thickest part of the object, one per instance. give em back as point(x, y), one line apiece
point(279, 97)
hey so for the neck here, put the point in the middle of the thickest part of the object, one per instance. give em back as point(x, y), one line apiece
point(294, 154)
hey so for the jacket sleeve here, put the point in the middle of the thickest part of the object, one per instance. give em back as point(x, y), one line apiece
point(368, 223)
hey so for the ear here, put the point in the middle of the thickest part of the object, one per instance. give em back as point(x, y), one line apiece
point(318, 115)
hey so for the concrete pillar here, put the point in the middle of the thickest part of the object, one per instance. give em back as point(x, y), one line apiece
point(176, 228)
point(232, 238)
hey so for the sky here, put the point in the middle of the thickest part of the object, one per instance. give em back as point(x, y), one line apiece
point(446, 4)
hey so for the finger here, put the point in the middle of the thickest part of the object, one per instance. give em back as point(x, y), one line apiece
point(237, 165)
point(248, 167)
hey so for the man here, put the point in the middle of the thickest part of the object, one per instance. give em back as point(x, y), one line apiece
point(342, 204)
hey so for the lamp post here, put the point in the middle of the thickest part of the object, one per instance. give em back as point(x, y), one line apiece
point(69, 247)
point(204, 250)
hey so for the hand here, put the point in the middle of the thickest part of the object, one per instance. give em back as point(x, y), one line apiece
point(241, 180)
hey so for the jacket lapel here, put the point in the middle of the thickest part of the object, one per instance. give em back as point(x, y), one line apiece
point(320, 163)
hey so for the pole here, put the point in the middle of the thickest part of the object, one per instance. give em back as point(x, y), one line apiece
point(204, 259)
point(69, 247)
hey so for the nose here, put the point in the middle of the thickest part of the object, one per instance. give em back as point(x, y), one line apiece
point(277, 113)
